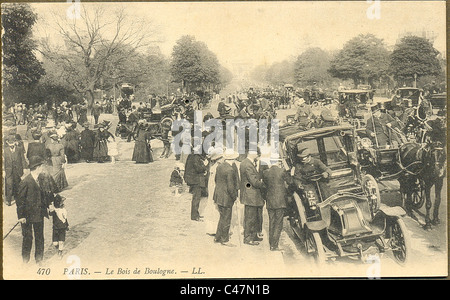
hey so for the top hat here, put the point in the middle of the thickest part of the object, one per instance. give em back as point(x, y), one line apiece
point(35, 161)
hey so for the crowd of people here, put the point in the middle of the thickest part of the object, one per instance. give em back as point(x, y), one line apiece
point(53, 140)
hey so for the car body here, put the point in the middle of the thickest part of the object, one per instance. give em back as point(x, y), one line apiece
point(351, 222)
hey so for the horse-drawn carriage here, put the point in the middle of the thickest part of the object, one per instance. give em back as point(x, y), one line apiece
point(351, 222)
point(416, 163)
point(353, 105)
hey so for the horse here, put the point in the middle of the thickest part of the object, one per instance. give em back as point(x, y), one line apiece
point(424, 164)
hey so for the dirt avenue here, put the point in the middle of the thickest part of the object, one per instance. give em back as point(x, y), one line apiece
point(124, 217)
point(224, 140)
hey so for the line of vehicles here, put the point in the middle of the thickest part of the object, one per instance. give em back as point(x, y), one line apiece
point(353, 222)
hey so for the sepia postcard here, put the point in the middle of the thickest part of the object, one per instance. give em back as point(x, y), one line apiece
point(224, 140)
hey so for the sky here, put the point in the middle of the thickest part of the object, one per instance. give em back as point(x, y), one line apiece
point(271, 31)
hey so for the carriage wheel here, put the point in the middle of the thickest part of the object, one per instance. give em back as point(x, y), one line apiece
point(314, 246)
point(297, 225)
point(167, 121)
point(399, 241)
point(370, 188)
point(418, 196)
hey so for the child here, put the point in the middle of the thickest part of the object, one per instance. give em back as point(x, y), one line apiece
point(112, 149)
point(60, 223)
point(176, 181)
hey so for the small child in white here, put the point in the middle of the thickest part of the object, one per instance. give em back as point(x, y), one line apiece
point(112, 149)
point(176, 181)
point(60, 223)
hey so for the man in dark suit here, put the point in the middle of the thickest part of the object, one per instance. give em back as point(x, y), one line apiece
point(96, 111)
point(195, 177)
point(87, 141)
point(14, 163)
point(250, 196)
point(36, 148)
point(32, 207)
point(225, 194)
point(276, 180)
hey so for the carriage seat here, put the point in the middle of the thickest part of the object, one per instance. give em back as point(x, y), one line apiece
point(341, 173)
point(387, 156)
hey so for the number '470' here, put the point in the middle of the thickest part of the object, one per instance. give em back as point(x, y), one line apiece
point(43, 271)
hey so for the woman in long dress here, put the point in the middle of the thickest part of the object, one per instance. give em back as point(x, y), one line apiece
point(142, 152)
point(211, 212)
point(57, 160)
point(101, 143)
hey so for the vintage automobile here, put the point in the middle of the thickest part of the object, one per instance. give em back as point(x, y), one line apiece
point(354, 105)
point(407, 96)
point(351, 222)
point(438, 103)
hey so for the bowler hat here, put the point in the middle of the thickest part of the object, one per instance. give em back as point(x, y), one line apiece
point(35, 161)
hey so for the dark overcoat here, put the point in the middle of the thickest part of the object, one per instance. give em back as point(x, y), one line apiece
point(276, 180)
point(227, 184)
point(31, 201)
point(251, 184)
point(195, 169)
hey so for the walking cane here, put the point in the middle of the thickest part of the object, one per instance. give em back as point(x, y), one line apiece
point(10, 230)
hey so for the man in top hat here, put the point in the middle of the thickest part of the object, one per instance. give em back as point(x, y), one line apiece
point(276, 180)
point(308, 166)
point(32, 207)
point(225, 193)
point(381, 127)
point(14, 163)
point(251, 188)
point(195, 177)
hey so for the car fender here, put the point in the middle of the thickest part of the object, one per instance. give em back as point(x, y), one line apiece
point(395, 211)
point(316, 225)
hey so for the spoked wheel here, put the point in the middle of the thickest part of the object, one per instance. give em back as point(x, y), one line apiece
point(399, 241)
point(299, 217)
point(167, 121)
point(418, 196)
point(370, 188)
point(314, 246)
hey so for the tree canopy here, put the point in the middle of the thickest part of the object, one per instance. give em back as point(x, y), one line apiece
point(312, 66)
point(21, 69)
point(414, 55)
point(363, 58)
point(194, 65)
point(98, 45)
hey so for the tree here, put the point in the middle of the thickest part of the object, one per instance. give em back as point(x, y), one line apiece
point(414, 56)
point(93, 43)
point(312, 66)
point(21, 69)
point(194, 65)
point(280, 73)
point(363, 58)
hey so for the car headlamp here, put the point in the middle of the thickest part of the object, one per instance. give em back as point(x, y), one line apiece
point(366, 143)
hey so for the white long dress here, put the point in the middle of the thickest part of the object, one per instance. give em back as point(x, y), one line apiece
point(211, 212)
